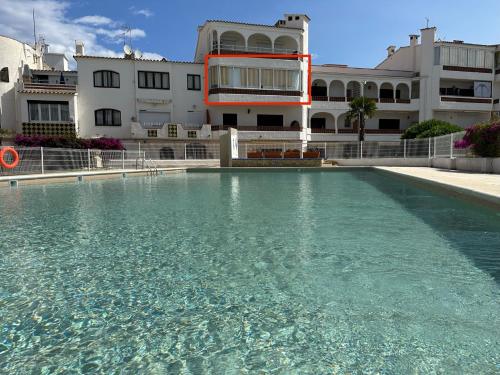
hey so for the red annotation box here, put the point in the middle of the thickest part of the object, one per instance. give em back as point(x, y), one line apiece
point(257, 55)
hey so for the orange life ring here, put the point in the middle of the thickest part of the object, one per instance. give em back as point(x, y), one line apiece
point(13, 153)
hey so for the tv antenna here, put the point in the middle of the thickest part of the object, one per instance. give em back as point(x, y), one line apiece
point(127, 30)
point(137, 54)
point(427, 22)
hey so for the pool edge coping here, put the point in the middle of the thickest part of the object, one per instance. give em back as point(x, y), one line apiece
point(481, 196)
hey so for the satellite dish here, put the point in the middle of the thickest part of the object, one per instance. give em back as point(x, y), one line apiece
point(137, 54)
point(127, 50)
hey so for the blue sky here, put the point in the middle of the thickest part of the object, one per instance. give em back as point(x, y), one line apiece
point(354, 32)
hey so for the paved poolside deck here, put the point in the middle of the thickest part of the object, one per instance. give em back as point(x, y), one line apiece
point(482, 186)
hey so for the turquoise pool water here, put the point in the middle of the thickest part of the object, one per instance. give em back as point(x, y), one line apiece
point(282, 273)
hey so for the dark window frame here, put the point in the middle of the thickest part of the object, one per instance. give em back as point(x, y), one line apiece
point(153, 86)
point(194, 88)
point(226, 119)
point(4, 74)
point(110, 79)
point(104, 117)
point(389, 124)
point(49, 102)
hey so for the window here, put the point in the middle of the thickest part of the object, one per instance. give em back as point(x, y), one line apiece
point(193, 82)
point(269, 120)
point(48, 111)
point(214, 76)
point(153, 80)
point(106, 78)
point(4, 74)
point(253, 78)
point(108, 117)
point(172, 131)
point(267, 79)
point(388, 124)
point(192, 134)
point(39, 78)
point(230, 119)
point(152, 133)
point(318, 123)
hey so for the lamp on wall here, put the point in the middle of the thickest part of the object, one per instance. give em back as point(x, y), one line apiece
point(248, 110)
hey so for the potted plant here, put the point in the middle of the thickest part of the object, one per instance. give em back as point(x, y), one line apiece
point(272, 154)
point(254, 155)
point(311, 154)
point(292, 154)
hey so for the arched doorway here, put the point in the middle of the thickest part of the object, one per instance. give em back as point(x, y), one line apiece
point(319, 90)
point(353, 90)
point(386, 92)
point(259, 43)
point(322, 122)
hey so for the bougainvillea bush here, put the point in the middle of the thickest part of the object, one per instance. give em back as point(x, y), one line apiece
point(69, 142)
point(483, 139)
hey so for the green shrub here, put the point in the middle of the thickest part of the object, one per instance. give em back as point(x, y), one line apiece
point(430, 128)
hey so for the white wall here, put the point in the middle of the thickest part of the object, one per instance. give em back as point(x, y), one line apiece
point(129, 99)
point(290, 113)
point(14, 55)
point(463, 119)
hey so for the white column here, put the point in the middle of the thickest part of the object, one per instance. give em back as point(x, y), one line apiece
point(41, 159)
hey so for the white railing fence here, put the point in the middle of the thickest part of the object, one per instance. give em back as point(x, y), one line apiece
point(42, 160)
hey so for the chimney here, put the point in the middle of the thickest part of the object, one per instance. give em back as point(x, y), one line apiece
point(391, 50)
point(413, 40)
point(79, 48)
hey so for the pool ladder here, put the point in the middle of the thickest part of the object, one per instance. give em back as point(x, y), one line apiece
point(149, 165)
point(152, 169)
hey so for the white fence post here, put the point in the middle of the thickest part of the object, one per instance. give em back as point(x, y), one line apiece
point(451, 145)
point(404, 149)
point(123, 159)
point(361, 150)
point(246, 152)
point(88, 158)
point(185, 151)
point(139, 147)
point(283, 151)
point(41, 159)
point(324, 147)
point(435, 144)
point(430, 139)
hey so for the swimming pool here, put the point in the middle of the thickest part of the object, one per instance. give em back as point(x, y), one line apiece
point(310, 273)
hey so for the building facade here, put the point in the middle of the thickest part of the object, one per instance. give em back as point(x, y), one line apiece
point(255, 78)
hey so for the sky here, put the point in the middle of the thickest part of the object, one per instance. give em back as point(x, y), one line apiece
point(355, 32)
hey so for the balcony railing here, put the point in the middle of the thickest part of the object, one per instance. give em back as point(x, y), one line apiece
point(44, 87)
point(323, 130)
point(229, 90)
point(342, 99)
point(237, 48)
point(464, 99)
point(467, 69)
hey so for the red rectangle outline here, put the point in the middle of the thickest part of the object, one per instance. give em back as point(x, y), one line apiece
point(256, 55)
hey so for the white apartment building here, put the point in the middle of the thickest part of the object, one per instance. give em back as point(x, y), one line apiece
point(139, 99)
point(37, 91)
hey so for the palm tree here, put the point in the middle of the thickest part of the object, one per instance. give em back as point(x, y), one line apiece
point(361, 107)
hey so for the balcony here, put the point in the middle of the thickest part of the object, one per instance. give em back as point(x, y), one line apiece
point(46, 88)
point(246, 91)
